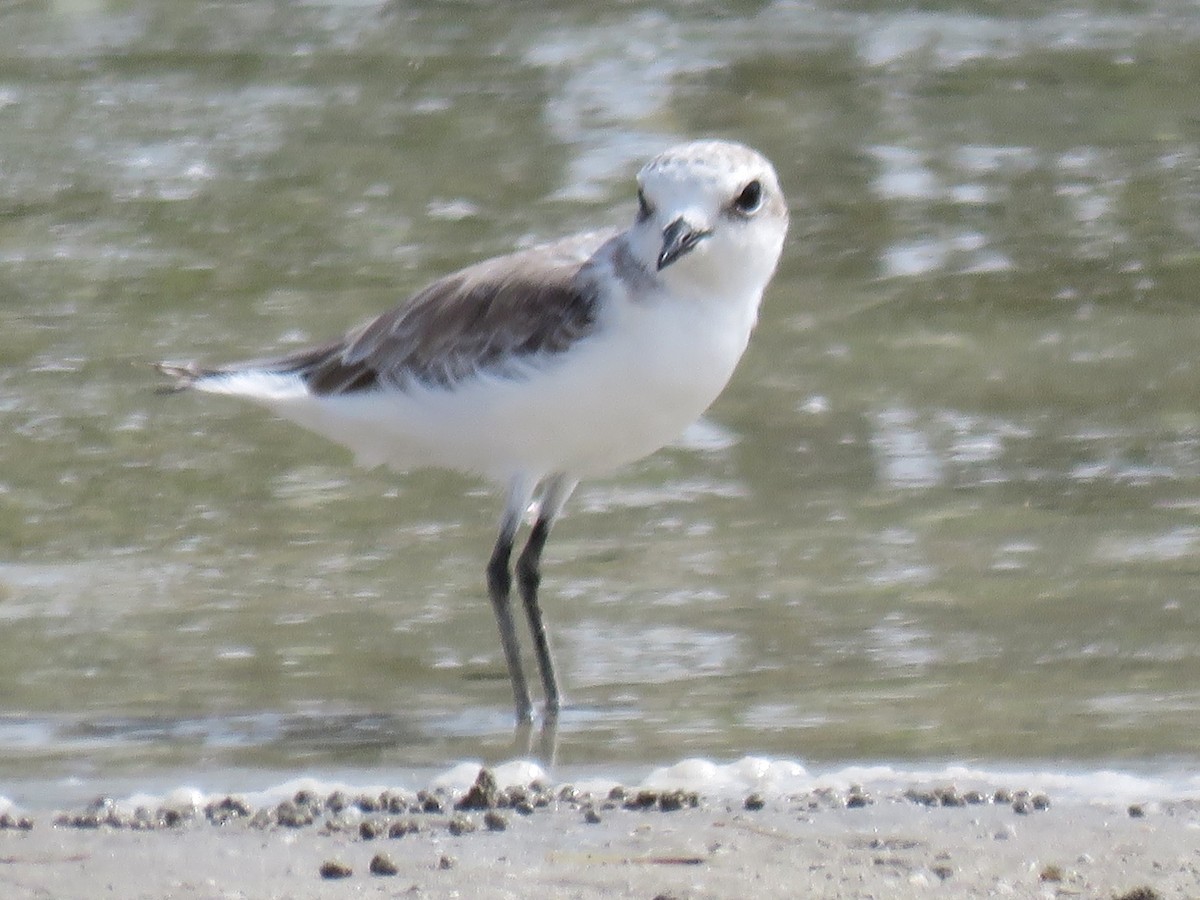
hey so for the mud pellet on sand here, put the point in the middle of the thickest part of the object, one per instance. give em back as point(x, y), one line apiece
point(382, 864)
point(333, 869)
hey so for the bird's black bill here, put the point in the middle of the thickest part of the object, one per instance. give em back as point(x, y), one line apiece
point(678, 239)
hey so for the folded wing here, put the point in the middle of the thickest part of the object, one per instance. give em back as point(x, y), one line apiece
point(491, 318)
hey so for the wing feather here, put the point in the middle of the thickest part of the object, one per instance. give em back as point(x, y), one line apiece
point(491, 317)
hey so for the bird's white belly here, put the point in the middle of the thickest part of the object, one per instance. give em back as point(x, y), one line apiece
point(614, 397)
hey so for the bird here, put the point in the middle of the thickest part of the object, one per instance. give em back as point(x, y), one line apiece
point(547, 365)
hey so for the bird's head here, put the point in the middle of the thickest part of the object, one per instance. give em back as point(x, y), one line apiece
point(711, 217)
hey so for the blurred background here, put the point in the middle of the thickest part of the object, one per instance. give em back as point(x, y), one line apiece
point(947, 509)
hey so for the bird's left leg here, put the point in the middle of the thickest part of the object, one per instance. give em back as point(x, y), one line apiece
point(529, 577)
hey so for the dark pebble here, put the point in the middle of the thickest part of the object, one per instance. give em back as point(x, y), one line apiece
point(1022, 807)
point(401, 827)
point(366, 803)
point(291, 814)
point(429, 802)
point(369, 829)
point(1040, 801)
point(857, 801)
point(641, 800)
point(333, 868)
point(1140, 893)
point(306, 798)
point(511, 797)
point(335, 802)
point(382, 864)
point(591, 817)
point(975, 798)
point(1002, 795)
point(171, 818)
point(495, 821)
point(921, 797)
point(390, 801)
point(87, 820)
point(1137, 811)
point(617, 794)
point(482, 795)
point(948, 796)
point(221, 811)
point(1051, 873)
point(461, 825)
point(446, 862)
point(524, 808)
point(754, 802)
point(670, 801)
point(943, 871)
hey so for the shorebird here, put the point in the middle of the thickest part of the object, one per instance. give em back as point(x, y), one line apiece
point(550, 364)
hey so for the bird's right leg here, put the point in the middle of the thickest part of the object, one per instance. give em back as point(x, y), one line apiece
point(499, 578)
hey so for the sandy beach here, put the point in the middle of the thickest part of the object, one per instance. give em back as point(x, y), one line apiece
point(559, 840)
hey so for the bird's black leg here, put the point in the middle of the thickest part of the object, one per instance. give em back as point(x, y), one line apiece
point(529, 577)
point(499, 590)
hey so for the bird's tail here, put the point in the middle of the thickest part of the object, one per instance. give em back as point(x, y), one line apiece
point(182, 375)
point(303, 364)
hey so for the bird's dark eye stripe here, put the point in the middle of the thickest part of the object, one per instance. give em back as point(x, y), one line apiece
point(644, 208)
point(750, 198)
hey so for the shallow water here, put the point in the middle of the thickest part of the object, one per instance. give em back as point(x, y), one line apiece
point(946, 510)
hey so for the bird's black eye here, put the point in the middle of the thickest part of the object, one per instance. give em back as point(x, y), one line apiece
point(644, 208)
point(750, 199)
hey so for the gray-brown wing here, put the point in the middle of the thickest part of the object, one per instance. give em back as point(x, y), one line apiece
point(486, 318)
point(490, 317)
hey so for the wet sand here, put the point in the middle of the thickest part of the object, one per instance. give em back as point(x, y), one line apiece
point(560, 842)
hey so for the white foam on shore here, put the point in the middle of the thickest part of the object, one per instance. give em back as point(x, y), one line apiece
point(778, 779)
point(783, 778)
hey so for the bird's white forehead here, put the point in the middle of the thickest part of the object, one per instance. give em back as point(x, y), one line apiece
point(720, 164)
